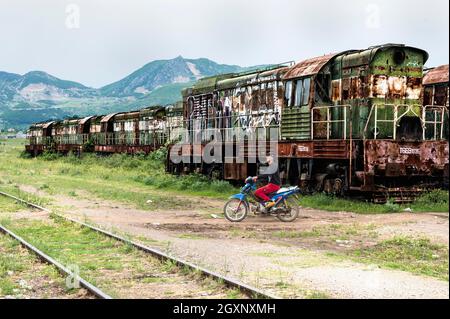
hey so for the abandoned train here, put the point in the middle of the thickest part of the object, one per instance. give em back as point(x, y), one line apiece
point(370, 121)
point(351, 122)
point(129, 132)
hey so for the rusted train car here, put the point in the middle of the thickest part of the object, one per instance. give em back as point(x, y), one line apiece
point(39, 137)
point(132, 132)
point(351, 122)
point(436, 86)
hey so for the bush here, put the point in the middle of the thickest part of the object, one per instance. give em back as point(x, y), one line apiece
point(159, 155)
point(25, 155)
point(49, 155)
point(391, 207)
point(437, 196)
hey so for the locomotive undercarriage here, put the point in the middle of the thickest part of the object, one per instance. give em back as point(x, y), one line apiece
point(380, 169)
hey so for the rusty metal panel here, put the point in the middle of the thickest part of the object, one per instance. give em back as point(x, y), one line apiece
point(308, 67)
point(393, 158)
point(235, 171)
point(47, 125)
point(84, 120)
point(106, 118)
point(295, 150)
point(437, 75)
point(332, 149)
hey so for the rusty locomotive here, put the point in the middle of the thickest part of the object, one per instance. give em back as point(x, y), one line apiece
point(371, 122)
point(359, 121)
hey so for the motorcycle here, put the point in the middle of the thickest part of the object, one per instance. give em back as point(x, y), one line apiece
point(286, 206)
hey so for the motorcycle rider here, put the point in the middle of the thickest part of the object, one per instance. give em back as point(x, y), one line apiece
point(271, 175)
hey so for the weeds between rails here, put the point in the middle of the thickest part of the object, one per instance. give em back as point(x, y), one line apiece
point(129, 246)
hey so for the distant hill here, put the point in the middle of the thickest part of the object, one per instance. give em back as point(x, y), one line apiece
point(39, 96)
point(162, 72)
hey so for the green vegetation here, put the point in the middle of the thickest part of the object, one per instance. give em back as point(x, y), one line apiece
point(190, 236)
point(9, 206)
point(141, 181)
point(418, 256)
point(434, 201)
point(331, 232)
point(105, 262)
point(317, 295)
point(17, 265)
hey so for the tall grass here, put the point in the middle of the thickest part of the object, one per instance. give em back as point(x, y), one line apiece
point(147, 170)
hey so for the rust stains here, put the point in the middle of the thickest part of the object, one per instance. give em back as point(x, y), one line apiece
point(395, 87)
point(413, 88)
point(106, 118)
point(390, 158)
point(308, 67)
point(437, 75)
point(380, 86)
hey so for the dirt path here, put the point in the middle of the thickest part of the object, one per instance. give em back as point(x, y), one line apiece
point(255, 252)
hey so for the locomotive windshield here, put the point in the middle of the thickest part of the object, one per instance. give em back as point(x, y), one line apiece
point(409, 128)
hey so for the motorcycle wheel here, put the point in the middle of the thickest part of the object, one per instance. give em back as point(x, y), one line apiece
point(291, 209)
point(235, 210)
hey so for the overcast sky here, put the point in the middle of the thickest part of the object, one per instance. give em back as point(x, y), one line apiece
point(96, 42)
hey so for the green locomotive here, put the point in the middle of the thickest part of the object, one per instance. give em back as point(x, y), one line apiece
point(351, 122)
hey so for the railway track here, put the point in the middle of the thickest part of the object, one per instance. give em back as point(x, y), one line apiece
point(63, 270)
point(249, 291)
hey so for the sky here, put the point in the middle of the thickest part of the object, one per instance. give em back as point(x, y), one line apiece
point(96, 42)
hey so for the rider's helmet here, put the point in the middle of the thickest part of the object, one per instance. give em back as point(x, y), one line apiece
point(249, 180)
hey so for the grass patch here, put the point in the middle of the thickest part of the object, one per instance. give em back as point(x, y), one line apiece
point(105, 262)
point(414, 255)
point(8, 205)
point(17, 264)
point(138, 180)
point(331, 232)
point(316, 295)
point(141, 181)
point(190, 236)
point(434, 201)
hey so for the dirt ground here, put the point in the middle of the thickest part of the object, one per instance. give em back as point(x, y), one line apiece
point(286, 259)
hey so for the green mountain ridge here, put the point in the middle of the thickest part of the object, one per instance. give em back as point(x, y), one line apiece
point(38, 96)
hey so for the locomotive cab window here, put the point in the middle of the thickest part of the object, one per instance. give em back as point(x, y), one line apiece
point(302, 88)
point(288, 94)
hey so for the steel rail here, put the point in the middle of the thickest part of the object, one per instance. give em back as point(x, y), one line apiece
point(230, 282)
point(63, 270)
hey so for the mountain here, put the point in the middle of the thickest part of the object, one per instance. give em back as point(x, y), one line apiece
point(162, 72)
point(38, 96)
point(35, 89)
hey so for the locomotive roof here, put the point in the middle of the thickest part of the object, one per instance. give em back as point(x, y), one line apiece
point(365, 56)
point(253, 78)
point(308, 67)
point(42, 124)
point(106, 118)
point(210, 84)
point(436, 75)
point(84, 120)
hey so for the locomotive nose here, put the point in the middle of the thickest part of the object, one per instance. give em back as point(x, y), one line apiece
point(399, 56)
